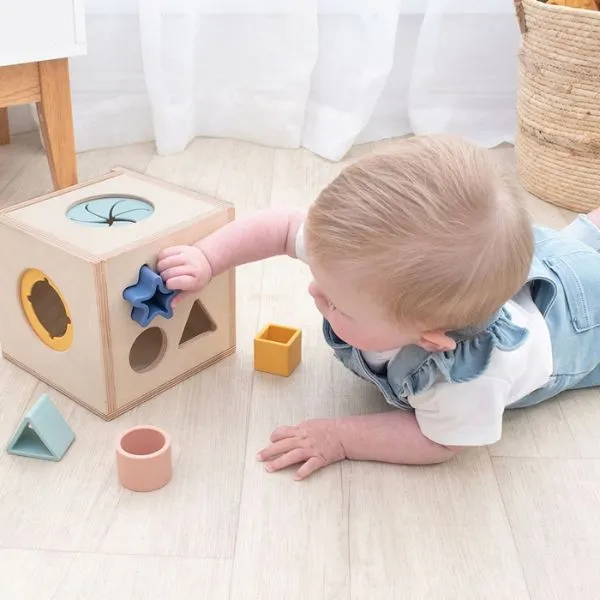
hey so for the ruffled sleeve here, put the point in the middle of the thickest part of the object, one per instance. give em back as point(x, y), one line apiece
point(415, 370)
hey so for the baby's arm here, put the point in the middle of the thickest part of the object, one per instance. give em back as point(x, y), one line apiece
point(392, 437)
point(256, 237)
point(259, 236)
point(446, 418)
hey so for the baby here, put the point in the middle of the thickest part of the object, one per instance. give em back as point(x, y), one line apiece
point(435, 287)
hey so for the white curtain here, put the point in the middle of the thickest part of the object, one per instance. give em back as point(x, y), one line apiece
point(319, 74)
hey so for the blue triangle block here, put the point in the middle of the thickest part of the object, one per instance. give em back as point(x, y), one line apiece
point(43, 433)
point(149, 297)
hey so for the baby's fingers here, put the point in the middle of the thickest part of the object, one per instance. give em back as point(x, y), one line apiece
point(290, 458)
point(171, 251)
point(278, 448)
point(168, 262)
point(186, 283)
point(179, 271)
point(309, 467)
point(283, 432)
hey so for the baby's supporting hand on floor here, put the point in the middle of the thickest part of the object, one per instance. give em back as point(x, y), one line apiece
point(314, 443)
point(392, 437)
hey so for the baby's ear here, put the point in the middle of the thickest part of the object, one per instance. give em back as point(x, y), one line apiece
point(436, 341)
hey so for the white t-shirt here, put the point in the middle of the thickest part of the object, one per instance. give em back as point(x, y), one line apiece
point(470, 413)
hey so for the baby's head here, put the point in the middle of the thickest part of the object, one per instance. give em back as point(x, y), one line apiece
point(422, 239)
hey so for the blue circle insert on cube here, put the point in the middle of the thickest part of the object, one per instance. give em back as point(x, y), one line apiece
point(110, 211)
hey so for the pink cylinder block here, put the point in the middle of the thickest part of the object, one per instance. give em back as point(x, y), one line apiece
point(144, 458)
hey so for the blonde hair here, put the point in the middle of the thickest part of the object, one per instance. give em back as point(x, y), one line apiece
point(431, 227)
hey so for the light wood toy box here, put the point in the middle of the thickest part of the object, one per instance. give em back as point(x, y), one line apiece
point(93, 356)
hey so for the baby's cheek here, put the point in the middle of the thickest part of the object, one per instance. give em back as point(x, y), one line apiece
point(365, 338)
point(346, 330)
point(336, 324)
point(362, 340)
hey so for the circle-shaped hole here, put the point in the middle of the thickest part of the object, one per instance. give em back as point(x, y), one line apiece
point(143, 441)
point(114, 210)
point(46, 310)
point(148, 349)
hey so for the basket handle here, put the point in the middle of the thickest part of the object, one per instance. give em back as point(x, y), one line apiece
point(520, 16)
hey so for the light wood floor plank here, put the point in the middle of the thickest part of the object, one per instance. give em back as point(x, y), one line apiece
point(431, 532)
point(552, 505)
point(119, 577)
point(32, 574)
point(16, 389)
point(276, 557)
point(581, 409)
point(540, 431)
point(66, 505)
point(16, 156)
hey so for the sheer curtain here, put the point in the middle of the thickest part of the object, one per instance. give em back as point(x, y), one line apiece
point(319, 74)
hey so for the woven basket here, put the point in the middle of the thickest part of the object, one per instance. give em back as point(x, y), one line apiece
point(558, 132)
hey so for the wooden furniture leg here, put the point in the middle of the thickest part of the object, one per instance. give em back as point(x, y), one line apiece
point(4, 134)
point(47, 84)
point(56, 121)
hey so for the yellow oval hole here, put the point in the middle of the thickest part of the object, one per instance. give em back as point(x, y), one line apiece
point(46, 310)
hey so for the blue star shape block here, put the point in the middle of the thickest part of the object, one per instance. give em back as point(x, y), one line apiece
point(149, 297)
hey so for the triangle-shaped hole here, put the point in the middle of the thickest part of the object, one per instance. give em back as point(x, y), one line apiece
point(29, 443)
point(198, 323)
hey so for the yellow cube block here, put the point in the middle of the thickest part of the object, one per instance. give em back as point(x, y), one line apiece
point(278, 350)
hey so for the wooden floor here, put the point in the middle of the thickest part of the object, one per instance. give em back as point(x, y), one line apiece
point(518, 520)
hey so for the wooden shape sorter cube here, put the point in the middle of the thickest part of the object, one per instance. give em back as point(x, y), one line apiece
point(67, 260)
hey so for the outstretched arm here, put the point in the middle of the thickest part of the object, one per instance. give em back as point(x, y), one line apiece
point(392, 437)
point(259, 236)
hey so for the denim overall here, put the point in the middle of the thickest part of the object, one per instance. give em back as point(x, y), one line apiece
point(564, 280)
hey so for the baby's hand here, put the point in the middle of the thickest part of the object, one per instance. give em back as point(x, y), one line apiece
point(184, 268)
point(315, 443)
